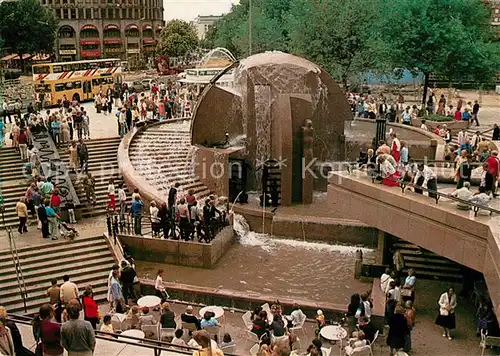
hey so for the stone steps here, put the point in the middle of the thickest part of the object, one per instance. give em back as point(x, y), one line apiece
point(427, 264)
point(471, 131)
point(13, 182)
point(163, 156)
point(86, 260)
point(103, 165)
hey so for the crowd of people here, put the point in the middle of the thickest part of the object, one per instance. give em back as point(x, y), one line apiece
point(165, 101)
point(391, 164)
point(395, 109)
point(182, 216)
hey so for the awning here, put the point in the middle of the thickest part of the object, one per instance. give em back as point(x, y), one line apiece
point(40, 57)
point(112, 41)
point(147, 27)
point(9, 57)
point(149, 41)
point(132, 27)
point(89, 27)
point(111, 27)
point(89, 42)
point(160, 27)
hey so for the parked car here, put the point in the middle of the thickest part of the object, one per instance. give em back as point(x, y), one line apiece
point(146, 83)
point(135, 86)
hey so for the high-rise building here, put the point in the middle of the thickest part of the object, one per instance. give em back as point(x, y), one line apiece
point(126, 29)
point(203, 23)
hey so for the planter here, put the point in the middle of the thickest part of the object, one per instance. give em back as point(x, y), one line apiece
point(453, 125)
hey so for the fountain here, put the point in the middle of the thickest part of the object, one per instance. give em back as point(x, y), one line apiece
point(274, 93)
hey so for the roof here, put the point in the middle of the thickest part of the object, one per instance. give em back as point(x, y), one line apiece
point(90, 60)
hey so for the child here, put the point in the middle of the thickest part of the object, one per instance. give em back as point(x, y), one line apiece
point(111, 195)
point(320, 320)
point(133, 318)
point(107, 326)
point(71, 210)
point(178, 340)
point(227, 342)
point(146, 318)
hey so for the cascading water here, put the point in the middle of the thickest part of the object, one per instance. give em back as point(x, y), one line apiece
point(270, 244)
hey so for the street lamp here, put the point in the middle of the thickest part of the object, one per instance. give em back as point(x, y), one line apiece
point(250, 27)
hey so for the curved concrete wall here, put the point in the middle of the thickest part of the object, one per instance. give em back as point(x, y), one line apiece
point(130, 176)
point(441, 228)
point(422, 144)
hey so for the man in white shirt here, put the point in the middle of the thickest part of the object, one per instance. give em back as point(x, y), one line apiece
point(297, 316)
point(69, 290)
point(385, 280)
point(426, 178)
point(481, 198)
point(463, 193)
point(463, 137)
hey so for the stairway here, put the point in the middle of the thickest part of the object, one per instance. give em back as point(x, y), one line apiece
point(428, 265)
point(87, 261)
point(103, 165)
point(472, 131)
point(163, 156)
point(13, 182)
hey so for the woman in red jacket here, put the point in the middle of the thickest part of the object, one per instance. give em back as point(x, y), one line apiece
point(90, 307)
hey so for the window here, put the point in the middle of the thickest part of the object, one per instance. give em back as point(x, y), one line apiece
point(41, 70)
point(88, 14)
point(42, 88)
point(124, 13)
point(60, 87)
point(73, 13)
point(65, 13)
point(56, 69)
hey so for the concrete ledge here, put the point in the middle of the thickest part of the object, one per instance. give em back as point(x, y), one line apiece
point(454, 125)
point(178, 252)
point(247, 301)
point(441, 228)
point(309, 228)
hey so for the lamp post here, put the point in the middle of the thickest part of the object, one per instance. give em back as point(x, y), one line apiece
point(381, 129)
point(250, 27)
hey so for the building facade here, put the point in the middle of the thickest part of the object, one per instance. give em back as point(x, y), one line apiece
point(90, 29)
point(203, 23)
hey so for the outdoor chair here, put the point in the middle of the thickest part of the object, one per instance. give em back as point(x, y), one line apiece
point(151, 332)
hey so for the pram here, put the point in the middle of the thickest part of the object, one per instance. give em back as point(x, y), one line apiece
point(69, 232)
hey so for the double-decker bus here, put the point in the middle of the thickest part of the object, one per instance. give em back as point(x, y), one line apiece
point(80, 80)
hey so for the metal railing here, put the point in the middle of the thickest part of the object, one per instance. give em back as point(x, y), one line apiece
point(438, 195)
point(169, 228)
point(15, 261)
point(156, 345)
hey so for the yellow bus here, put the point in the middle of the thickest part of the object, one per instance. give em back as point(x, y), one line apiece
point(79, 80)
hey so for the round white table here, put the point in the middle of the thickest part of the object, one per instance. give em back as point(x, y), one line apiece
point(133, 333)
point(333, 332)
point(150, 301)
point(218, 311)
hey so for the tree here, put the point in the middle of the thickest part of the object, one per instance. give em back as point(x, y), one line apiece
point(27, 27)
point(268, 32)
point(336, 34)
point(452, 38)
point(177, 39)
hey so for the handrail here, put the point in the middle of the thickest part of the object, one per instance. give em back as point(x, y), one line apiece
point(476, 207)
point(155, 345)
point(16, 261)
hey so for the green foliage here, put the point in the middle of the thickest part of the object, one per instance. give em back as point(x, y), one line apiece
point(268, 32)
point(336, 34)
point(451, 38)
point(177, 39)
point(27, 27)
point(437, 118)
